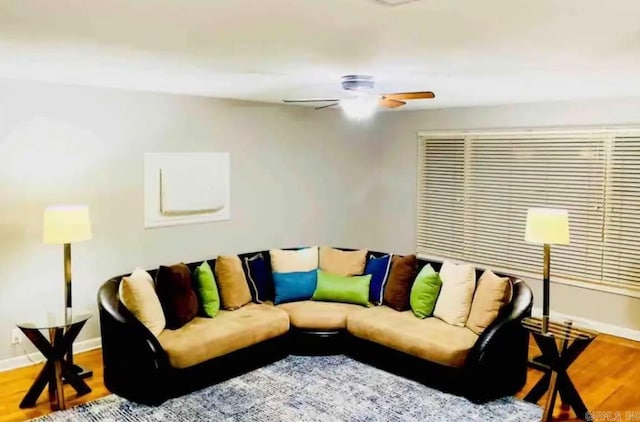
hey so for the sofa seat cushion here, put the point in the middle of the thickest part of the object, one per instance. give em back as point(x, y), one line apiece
point(314, 315)
point(430, 339)
point(206, 338)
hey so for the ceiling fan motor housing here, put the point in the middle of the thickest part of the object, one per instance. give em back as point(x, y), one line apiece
point(357, 83)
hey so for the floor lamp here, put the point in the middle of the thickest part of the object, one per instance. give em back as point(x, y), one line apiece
point(65, 225)
point(547, 226)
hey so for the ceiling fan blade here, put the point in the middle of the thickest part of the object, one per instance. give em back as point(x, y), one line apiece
point(317, 100)
point(410, 95)
point(390, 103)
point(327, 106)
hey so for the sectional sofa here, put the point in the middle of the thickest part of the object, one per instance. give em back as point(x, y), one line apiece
point(150, 368)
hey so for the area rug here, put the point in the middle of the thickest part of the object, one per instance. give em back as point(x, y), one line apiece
point(308, 388)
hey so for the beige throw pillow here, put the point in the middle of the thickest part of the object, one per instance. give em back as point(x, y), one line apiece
point(232, 283)
point(300, 260)
point(138, 294)
point(492, 294)
point(346, 263)
point(456, 294)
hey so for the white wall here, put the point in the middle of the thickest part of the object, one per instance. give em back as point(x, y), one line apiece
point(297, 177)
point(395, 187)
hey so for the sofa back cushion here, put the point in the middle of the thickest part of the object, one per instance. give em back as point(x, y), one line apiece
point(232, 284)
point(340, 288)
point(288, 261)
point(492, 294)
point(379, 269)
point(207, 290)
point(339, 262)
point(294, 286)
point(454, 302)
point(425, 291)
point(138, 294)
point(398, 288)
point(179, 301)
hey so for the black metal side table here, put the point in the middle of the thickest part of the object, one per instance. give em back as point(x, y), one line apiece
point(63, 329)
point(554, 362)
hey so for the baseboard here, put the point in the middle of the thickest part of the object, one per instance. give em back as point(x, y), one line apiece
point(26, 360)
point(601, 327)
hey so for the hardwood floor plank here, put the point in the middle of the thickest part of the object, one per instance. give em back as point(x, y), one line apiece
point(607, 375)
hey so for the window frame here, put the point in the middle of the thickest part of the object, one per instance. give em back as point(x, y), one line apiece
point(608, 133)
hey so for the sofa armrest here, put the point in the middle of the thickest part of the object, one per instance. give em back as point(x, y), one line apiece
point(499, 356)
point(135, 364)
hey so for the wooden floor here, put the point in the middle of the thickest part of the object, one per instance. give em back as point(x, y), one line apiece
point(607, 376)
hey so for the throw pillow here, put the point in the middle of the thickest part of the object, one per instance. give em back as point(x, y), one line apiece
point(340, 262)
point(259, 278)
point(301, 260)
point(402, 274)
point(138, 294)
point(424, 292)
point(207, 290)
point(179, 301)
point(232, 284)
point(379, 269)
point(491, 295)
point(340, 288)
point(294, 286)
point(458, 284)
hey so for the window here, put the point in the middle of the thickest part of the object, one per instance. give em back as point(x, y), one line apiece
point(474, 190)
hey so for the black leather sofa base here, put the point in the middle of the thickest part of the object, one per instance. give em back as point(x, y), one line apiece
point(317, 342)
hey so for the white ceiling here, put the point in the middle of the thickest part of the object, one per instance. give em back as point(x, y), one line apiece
point(469, 52)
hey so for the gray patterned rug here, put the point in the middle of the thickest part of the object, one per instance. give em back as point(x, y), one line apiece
point(316, 388)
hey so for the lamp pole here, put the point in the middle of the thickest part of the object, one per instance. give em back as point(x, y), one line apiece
point(67, 294)
point(545, 287)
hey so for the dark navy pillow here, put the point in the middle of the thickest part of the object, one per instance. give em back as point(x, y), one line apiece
point(379, 270)
point(294, 286)
point(258, 277)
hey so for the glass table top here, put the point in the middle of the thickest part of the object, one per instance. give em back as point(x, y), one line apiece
point(55, 319)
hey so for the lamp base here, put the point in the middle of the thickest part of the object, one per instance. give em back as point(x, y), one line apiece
point(82, 372)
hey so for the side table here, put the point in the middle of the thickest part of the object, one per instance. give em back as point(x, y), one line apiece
point(554, 362)
point(63, 329)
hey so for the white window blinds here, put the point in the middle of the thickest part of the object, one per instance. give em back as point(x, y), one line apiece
point(621, 259)
point(474, 191)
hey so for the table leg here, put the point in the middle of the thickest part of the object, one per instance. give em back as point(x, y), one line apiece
point(573, 398)
point(539, 389)
point(36, 388)
point(58, 343)
point(53, 394)
point(69, 372)
point(551, 397)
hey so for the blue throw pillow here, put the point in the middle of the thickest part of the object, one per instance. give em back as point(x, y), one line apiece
point(379, 269)
point(294, 286)
point(258, 277)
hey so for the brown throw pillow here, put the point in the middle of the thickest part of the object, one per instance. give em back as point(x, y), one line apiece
point(232, 283)
point(398, 289)
point(179, 301)
point(492, 294)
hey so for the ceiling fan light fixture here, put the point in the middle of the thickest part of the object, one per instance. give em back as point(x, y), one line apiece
point(359, 107)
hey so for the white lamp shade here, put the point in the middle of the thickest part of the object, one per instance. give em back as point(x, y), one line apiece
point(66, 224)
point(547, 225)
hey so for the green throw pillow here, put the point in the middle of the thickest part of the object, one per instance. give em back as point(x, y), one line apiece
point(207, 290)
point(425, 291)
point(339, 288)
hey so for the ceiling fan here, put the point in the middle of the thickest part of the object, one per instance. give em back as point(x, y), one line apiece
point(361, 100)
